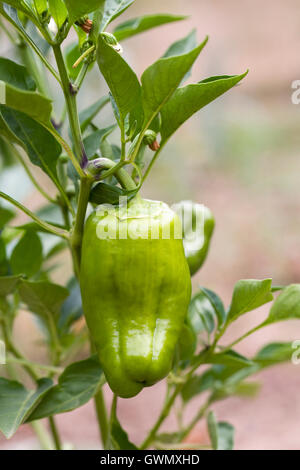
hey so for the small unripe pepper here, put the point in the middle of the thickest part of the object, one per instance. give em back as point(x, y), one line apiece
point(136, 288)
point(198, 226)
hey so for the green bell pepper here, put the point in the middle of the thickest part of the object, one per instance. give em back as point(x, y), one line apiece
point(136, 288)
point(198, 225)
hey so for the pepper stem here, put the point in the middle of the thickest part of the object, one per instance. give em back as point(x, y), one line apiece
point(96, 166)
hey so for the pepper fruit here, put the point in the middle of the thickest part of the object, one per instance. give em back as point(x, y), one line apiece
point(136, 288)
point(198, 224)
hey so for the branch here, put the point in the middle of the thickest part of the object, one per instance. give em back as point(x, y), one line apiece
point(48, 227)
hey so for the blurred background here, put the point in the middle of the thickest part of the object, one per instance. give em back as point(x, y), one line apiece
point(240, 157)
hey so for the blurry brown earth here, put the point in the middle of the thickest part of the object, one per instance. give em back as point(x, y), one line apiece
point(241, 158)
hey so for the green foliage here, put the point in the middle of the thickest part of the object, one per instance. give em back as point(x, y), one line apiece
point(58, 11)
point(16, 75)
point(8, 284)
point(158, 102)
point(143, 23)
point(27, 256)
point(248, 295)
point(87, 115)
point(190, 99)
point(286, 306)
point(182, 46)
point(16, 403)
point(273, 354)
point(122, 81)
point(113, 9)
point(79, 9)
point(76, 386)
point(161, 79)
point(104, 193)
point(225, 436)
point(92, 143)
point(119, 438)
point(33, 104)
point(42, 148)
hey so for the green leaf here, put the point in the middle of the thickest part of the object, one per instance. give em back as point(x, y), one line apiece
point(6, 152)
point(143, 23)
point(42, 148)
point(43, 298)
point(76, 386)
point(8, 284)
point(87, 115)
point(71, 309)
point(286, 306)
point(219, 379)
point(231, 359)
point(7, 134)
point(247, 389)
point(4, 267)
point(212, 427)
point(182, 46)
point(78, 9)
point(23, 7)
point(274, 353)
point(188, 100)
point(41, 6)
point(187, 343)
point(113, 9)
point(16, 75)
point(122, 81)
point(216, 303)
point(27, 256)
point(6, 215)
point(225, 436)
point(161, 79)
point(119, 437)
point(31, 103)
point(201, 306)
point(16, 403)
point(104, 193)
point(248, 295)
point(58, 11)
point(71, 54)
point(169, 438)
point(93, 141)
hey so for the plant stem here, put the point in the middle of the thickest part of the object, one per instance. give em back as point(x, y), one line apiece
point(101, 410)
point(101, 416)
point(25, 362)
point(154, 158)
point(42, 435)
point(27, 366)
point(13, 349)
point(169, 403)
point(256, 328)
point(201, 413)
point(77, 232)
point(83, 56)
point(81, 75)
point(70, 97)
point(181, 446)
point(98, 165)
point(48, 227)
point(30, 62)
point(55, 433)
point(66, 147)
point(163, 415)
point(32, 44)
